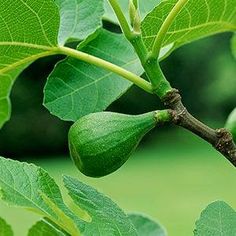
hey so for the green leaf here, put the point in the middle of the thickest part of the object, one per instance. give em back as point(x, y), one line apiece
point(146, 226)
point(79, 19)
point(144, 7)
point(217, 219)
point(196, 20)
point(233, 45)
point(5, 229)
point(75, 88)
point(29, 31)
point(26, 185)
point(231, 123)
point(107, 217)
point(45, 227)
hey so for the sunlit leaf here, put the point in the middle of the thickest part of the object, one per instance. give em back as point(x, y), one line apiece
point(196, 20)
point(26, 185)
point(29, 31)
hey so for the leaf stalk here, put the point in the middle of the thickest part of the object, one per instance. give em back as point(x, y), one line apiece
point(165, 27)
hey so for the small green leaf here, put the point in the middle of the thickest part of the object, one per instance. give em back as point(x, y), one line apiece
point(107, 217)
point(144, 8)
point(233, 45)
point(75, 88)
point(146, 226)
point(79, 19)
point(196, 20)
point(231, 123)
point(29, 31)
point(23, 185)
point(217, 219)
point(46, 228)
point(5, 229)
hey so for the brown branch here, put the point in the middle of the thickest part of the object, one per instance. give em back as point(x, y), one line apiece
point(220, 139)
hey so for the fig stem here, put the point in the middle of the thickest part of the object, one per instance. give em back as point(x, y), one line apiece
point(163, 116)
point(165, 27)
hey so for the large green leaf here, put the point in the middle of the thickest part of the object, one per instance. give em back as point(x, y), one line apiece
point(29, 30)
point(79, 18)
point(46, 228)
point(146, 226)
point(233, 45)
point(26, 185)
point(107, 218)
point(217, 219)
point(196, 20)
point(144, 7)
point(5, 229)
point(75, 88)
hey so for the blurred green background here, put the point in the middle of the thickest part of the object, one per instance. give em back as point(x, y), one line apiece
point(173, 175)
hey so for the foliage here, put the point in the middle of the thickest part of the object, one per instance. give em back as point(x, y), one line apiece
point(92, 212)
point(88, 80)
point(36, 191)
point(5, 229)
point(217, 219)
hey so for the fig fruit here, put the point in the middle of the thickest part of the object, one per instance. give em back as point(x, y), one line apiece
point(231, 123)
point(102, 142)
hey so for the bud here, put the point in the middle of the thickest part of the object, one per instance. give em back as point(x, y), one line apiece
point(135, 19)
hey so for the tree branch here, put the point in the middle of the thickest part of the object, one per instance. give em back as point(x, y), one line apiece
point(220, 139)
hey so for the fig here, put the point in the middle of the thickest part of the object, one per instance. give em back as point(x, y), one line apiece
point(102, 142)
point(231, 123)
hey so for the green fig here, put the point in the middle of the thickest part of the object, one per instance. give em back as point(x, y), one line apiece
point(231, 123)
point(100, 143)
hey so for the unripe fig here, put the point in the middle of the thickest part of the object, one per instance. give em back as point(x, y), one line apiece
point(102, 142)
point(231, 123)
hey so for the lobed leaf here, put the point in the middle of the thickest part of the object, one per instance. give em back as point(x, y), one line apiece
point(29, 31)
point(107, 218)
point(146, 226)
point(76, 88)
point(217, 219)
point(196, 20)
point(144, 7)
point(26, 185)
point(79, 19)
point(5, 229)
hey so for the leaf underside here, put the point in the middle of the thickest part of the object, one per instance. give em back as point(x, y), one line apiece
point(217, 219)
point(197, 19)
point(107, 218)
point(23, 185)
point(79, 19)
point(146, 226)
